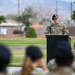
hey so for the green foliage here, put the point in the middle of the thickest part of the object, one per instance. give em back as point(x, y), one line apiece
point(18, 32)
point(2, 19)
point(73, 16)
point(18, 19)
point(30, 32)
point(26, 16)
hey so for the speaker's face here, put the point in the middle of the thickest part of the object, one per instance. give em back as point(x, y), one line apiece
point(56, 20)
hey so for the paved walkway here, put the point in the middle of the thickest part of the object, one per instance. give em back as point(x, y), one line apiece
point(24, 47)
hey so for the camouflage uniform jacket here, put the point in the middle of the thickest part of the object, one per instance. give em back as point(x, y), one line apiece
point(58, 29)
point(52, 66)
point(63, 71)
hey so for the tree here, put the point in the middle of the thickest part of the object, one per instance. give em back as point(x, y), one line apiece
point(13, 17)
point(73, 16)
point(26, 16)
point(2, 19)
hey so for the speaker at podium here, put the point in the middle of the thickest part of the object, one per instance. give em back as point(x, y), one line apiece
point(52, 41)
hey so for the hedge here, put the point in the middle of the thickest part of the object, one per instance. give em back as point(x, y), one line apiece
point(18, 32)
point(30, 32)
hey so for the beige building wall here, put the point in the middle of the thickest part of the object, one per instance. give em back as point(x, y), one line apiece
point(10, 29)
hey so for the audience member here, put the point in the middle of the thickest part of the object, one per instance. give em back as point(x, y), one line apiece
point(5, 56)
point(63, 60)
point(32, 60)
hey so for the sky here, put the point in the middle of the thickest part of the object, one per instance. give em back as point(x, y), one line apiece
point(10, 6)
point(68, 0)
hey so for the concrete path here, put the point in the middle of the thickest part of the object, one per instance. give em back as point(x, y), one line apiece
point(22, 48)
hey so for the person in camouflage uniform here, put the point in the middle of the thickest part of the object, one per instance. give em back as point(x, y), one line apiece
point(5, 56)
point(34, 58)
point(62, 63)
point(56, 28)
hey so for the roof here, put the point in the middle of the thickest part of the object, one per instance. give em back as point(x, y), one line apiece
point(37, 26)
point(10, 23)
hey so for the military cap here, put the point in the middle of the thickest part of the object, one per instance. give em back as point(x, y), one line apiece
point(54, 16)
point(4, 53)
point(5, 56)
point(63, 54)
point(34, 52)
point(63, 48)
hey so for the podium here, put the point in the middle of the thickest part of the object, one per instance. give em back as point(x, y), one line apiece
point(52, 41)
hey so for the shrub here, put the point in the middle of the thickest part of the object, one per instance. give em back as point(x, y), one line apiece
point(30, 32)
point(18, 32)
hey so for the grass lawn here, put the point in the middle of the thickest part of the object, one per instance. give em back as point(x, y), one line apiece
point(23, 41)
point(72, 42)
point(26, 41)
point(18, 56)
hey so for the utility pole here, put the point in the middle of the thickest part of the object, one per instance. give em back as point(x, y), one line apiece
point(71, 10)
point(56, 6)
point(18, 10)
point(18, 7)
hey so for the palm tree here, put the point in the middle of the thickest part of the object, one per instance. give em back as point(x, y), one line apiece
point(26, 16)
point(2, 19)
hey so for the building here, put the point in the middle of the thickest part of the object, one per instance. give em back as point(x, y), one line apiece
point(72, 30)
point(8, 27)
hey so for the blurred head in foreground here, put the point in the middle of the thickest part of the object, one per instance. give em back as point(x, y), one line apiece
point(5, 56)
point(34, 58)
point(63, 54)
point(63, 59)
